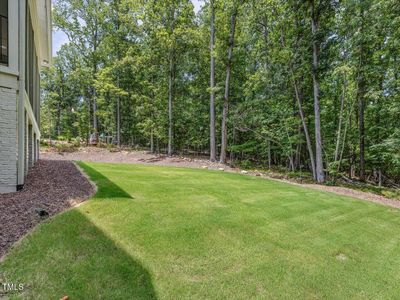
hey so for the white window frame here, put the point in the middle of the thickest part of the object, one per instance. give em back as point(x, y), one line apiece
point(13, 37)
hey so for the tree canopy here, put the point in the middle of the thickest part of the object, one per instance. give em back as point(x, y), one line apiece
point(303, 85)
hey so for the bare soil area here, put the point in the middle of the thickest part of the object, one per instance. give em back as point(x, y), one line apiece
point(141, 157)
point(93, 154)
point(51, 187)
point(355, 194)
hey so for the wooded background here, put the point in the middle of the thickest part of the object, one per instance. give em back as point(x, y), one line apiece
point(301, 85)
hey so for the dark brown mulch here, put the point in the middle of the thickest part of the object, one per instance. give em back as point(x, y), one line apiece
point(51, 187)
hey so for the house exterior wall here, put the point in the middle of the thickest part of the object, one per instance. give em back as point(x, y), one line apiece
point(8, 141)
point(29, 49)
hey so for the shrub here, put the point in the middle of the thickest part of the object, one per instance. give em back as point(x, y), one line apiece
point(65, 148)
point(76, 142)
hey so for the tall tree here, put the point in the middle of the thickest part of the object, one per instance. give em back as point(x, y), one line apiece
point(319, 168)
point(231, 44)
point(213, 149)
point(82, 22)
point(361, 91)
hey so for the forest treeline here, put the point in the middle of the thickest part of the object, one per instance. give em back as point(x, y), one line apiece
point(304, 85)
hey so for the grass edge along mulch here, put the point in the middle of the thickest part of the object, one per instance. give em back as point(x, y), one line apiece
point(51, 187)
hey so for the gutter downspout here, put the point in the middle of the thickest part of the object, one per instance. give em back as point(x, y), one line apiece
point(21, 99)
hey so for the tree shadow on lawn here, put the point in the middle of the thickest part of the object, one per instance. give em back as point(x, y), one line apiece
point(105, 187)
point(69, 255)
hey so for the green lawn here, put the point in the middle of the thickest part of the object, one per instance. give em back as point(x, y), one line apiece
point(171, 233)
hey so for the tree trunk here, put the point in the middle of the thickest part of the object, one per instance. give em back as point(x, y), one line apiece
point(297, 160)
point(351, 151)
point(380, 177)
point(88, 125)
point(339, 132)
point(300, 106)
point(50, 125)
point(361, 97)
point(94, 115)
point(170, 101)
point(58, 119)
point(94, 93)
point(94, 108)
point(119, 122)
point(212, 86)
point(232, 158)
point(224, 129)
point(361, 103)
point(118, 51)
point(305, 127)
point(152, 142)
point(318, 137)
point(269, 154)
point(348, 124)
point(291, 163)
point(379, 119)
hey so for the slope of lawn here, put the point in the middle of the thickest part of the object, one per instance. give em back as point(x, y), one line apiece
point(170, 233)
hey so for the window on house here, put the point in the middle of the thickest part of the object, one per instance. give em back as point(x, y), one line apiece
point(4, 32)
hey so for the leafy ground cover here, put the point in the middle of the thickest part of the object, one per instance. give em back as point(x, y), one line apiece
point(171, 233)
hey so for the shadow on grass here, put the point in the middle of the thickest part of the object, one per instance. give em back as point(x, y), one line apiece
point(105, 187)
point(69, 255)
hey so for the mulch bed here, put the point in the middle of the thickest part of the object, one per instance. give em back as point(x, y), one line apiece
point(51, 187)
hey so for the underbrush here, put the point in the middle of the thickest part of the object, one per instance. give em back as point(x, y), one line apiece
point(369, 188)
point(60, 146)
point(306, 177)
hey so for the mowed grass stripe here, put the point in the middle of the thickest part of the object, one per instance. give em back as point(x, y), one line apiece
point(174, 233)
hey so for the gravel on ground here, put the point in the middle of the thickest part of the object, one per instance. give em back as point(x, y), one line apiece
point(94, 154)
point(51, 187)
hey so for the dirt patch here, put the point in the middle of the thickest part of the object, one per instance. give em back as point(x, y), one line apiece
point(355, 194)
point(51, 187)
point(93, 154)
point(343, 191)
point(341, 256)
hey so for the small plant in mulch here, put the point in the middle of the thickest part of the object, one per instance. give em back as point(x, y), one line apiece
point(41, 213)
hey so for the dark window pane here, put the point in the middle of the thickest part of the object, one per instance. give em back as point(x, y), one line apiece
point(4, 8)
point(4, 31)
